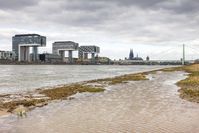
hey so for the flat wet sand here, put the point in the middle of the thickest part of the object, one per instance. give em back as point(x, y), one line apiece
point(137, 106)
point(3, 112)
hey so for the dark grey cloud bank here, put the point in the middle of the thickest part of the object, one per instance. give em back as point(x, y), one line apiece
point(16, 4)
point(112, 23)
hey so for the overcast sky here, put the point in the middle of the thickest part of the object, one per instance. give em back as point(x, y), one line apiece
point(157, 28)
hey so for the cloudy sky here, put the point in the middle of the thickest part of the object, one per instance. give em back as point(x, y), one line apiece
point(157, 28)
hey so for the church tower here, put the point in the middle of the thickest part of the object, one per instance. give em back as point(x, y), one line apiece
point(131, 55)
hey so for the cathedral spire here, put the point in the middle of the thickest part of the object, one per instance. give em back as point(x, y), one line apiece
point(131, 55)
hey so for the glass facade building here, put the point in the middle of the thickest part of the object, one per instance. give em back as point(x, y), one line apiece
point(24, 41)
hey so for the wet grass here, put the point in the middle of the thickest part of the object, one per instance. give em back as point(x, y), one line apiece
point(26, 103)
point(65, 91)
point(172, 69)
point(190, 86)
point(190, 81)
point(190, 93)
point(125, 78)
point(57, 93)
point(121, 79)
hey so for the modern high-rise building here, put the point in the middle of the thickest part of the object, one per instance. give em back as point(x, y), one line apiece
point(21, 45)
point(85, 50)
point(60, 47)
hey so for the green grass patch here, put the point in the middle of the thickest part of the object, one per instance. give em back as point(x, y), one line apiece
point(125, 78)
point(121, 79)
point(65, 91)
point(190, 86)
point(190, 81)
point(191, 92)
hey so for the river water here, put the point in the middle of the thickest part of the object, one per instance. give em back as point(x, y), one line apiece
point(22, 78)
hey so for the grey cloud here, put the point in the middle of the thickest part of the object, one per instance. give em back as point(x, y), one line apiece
point(180, 6)
point(16, 4)
point(96, 12)
point(73, 13)
point(177, 6)
point(141, 3)
point(85, 5)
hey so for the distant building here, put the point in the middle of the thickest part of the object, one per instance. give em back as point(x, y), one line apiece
point(7, 55)
point(50, 58)
point(103, 60)
point(85, 50)
point(21, 45)
point(60, 47)
point(131, 56)
point(147, 58)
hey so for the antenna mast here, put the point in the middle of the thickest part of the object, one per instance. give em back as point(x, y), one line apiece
point(183, 57)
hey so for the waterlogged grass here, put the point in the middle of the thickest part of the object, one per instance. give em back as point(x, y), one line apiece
point(53, 94)
point(26, 103)
point(58, 93)
point(191, 80)
point(65, 91)
point(68, 90)
point(130, 77)
point(172, 69)
point(190, 93)
point(190, 86)
point(121, 79)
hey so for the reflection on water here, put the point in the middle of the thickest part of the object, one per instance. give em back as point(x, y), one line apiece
point(20, 78)
point(142, 107)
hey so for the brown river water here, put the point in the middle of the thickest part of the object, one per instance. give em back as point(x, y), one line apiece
point(151, 106)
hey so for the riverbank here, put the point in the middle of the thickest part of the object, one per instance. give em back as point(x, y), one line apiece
point(41, 97)
point(124, 62)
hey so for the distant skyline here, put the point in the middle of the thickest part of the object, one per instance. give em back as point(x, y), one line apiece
point(151, 28)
